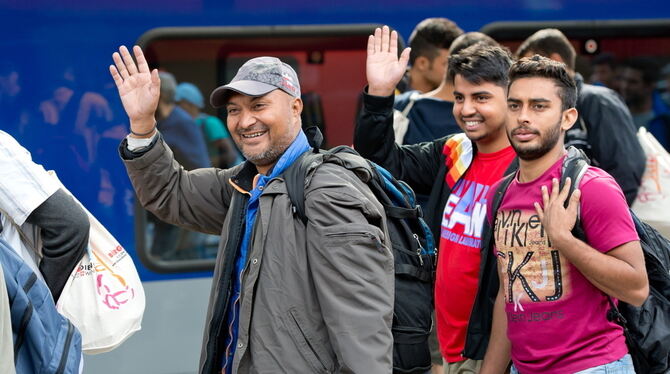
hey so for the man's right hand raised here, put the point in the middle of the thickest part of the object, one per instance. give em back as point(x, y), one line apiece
point(138, 87)
point(383, 67)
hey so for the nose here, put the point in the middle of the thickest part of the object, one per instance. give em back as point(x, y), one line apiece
point(247, 119)
point(522, 116)
point(468, 108)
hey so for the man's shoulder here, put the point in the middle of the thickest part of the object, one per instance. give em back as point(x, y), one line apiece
point(595, 181)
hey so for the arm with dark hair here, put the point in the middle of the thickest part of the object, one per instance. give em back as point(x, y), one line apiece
point(64, 228)
point(613, 139)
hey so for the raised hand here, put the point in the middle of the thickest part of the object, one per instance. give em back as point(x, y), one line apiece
point(138, 87)
point(558, 221)
point(383, 67)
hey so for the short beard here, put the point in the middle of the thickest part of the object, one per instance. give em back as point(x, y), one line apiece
point(268, 157)
point(547, 143)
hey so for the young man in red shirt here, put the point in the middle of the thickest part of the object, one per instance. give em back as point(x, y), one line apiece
point(456, 172)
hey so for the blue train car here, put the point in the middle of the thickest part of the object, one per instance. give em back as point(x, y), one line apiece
point(58, 99)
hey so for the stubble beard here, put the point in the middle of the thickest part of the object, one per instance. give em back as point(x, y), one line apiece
point(547, 143)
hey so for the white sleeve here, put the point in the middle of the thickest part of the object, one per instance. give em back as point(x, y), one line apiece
point(24, 185)
point(135, 144)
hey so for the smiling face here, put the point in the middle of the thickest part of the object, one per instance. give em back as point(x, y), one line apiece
point(536, 122)
point(263, 127)
point(480, 111)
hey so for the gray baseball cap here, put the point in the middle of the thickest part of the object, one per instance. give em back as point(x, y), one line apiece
point(258, 77)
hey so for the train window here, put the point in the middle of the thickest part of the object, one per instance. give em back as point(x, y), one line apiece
point(330, 62)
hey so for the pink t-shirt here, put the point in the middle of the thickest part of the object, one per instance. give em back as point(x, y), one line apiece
point(556, 319)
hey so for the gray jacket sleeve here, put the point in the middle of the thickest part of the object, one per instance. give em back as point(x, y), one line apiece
point(352, 267)
point(196, 200)
point(65, 228)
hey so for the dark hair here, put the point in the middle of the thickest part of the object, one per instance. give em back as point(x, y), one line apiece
point(548, 41)
point(543, 67)
point(645, 65)
point(468, 39)
point(604, 59)
point(430, 35)
point(481, 63)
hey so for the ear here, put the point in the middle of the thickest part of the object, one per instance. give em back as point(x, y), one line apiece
point(556, 57)
point(296, 107)
point(569, 118)
point(421, 63)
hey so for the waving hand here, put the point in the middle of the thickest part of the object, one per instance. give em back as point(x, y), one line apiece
point(383, 67)
point(138, 87)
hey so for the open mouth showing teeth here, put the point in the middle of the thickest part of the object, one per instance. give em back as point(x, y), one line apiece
point(472, 123)
point(253, 135)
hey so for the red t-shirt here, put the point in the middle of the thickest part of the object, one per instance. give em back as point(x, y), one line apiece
point(459, 253)
point(556, 319)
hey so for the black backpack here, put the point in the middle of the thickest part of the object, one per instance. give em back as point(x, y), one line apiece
point(413, 250)
point(647, 328)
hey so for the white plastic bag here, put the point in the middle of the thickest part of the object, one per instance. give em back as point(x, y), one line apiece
point(401, 119)
point(103, 297)
point(652, 204)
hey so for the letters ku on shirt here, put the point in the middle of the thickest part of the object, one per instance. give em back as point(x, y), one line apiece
point(532, 270)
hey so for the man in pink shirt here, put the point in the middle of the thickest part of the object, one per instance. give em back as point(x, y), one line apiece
point(550, 314)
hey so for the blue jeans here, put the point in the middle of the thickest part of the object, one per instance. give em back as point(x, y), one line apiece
point(624, 365)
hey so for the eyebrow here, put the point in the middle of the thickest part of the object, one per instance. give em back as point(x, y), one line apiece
point(533, 100)
point(474, 93)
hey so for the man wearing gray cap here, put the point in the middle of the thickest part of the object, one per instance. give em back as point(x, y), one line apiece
point(287, 297)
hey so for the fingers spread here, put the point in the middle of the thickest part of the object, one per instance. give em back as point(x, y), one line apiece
point(404, 56)
point(565, 190)
point(385, 38)
point(115, 75)
point(574, 199)
point(142, 64)
point(378, 39)
point(155, 79)
point(545, 196)
point(120, 66)
point(538, 209)
point(371, 45)
point(128, 60)
point(393, 47)
point(554, 188)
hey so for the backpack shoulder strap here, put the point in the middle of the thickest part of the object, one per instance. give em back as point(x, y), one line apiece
point(295, 175)
point(412, 98)
point(574, 166)
point(500, 193)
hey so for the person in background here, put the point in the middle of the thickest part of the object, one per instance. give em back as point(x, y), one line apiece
point(220, 147)
point(429, 42)
point(604, 129)
point(188, 144)
point(604, 71)
point(178, 127)
point(638, 88)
